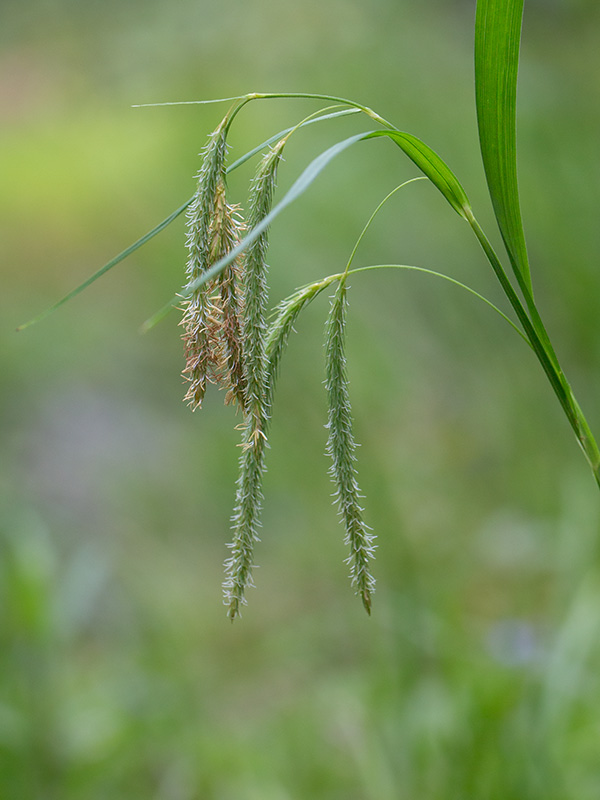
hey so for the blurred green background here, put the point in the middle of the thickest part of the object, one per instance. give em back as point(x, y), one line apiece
point(478, 675)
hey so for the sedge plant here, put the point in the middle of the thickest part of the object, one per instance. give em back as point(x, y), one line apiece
point(232, 340)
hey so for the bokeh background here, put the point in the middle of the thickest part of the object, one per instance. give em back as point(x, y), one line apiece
point(478, 675)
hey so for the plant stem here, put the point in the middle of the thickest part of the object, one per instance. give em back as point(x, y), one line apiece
point(302, 96)
point(540, 342)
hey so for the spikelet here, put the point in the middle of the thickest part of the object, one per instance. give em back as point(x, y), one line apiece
point(195, 321)
point(226, 233)
point(248, 503)
point(211, 319)
point(245, 522)
point(341, 447)
point(284, 319)
point(246, 517)
point(255, 283)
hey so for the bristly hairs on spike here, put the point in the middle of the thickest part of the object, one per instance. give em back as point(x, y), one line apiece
point(245, 521)
point(212, 336)
point(341, 447)
point(282, 325)
point(195, 322)
point(226, 232)
point(255, 286)
point(248, 504)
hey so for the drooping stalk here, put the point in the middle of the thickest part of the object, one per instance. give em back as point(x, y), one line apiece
point(497, 45)
point(248, 503)
point(548, 361)
point(341, 448)
point(196, 321)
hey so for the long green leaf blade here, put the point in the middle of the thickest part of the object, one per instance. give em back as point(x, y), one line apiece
point(301, 184)
point(173, 216)
point(421, 154)
point(435, 168)
point(109, 265)
point(497, 40)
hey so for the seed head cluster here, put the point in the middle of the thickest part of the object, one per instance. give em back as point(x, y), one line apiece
point(198, 319)
point(248, 501)
point(341, 447)
point(229, 341)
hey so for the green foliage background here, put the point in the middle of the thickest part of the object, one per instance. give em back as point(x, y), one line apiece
point(477, 675)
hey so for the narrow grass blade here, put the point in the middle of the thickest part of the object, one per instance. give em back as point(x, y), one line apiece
point(421, 154)
point(497, 40)
point(191, 102)
point(298, 188)
point(428, 161)
point(248, 98)
point(277, 136)
point(173, 216)
point(109, 265)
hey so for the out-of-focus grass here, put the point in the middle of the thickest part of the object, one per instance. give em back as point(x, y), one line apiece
point(119, 677)
point(477, 675)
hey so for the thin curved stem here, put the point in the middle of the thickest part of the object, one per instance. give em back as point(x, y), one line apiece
point(450, 280)
point(546, 356)
point(178, 211)
point(374, 214)
point(247, 98)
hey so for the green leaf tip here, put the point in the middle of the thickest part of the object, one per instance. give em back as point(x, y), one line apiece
point(497, 43)
point(421, 154)
point(109, 265)
point(163, 312)
point(434, 167)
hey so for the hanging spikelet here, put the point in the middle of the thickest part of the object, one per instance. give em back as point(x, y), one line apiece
point(341, 447)
point(226, 232)
point(245, 522)
point(246, 515)
point(282, 325)
point(211, 319)
point(226, 342)
point(195, 321)
point(256, 290)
